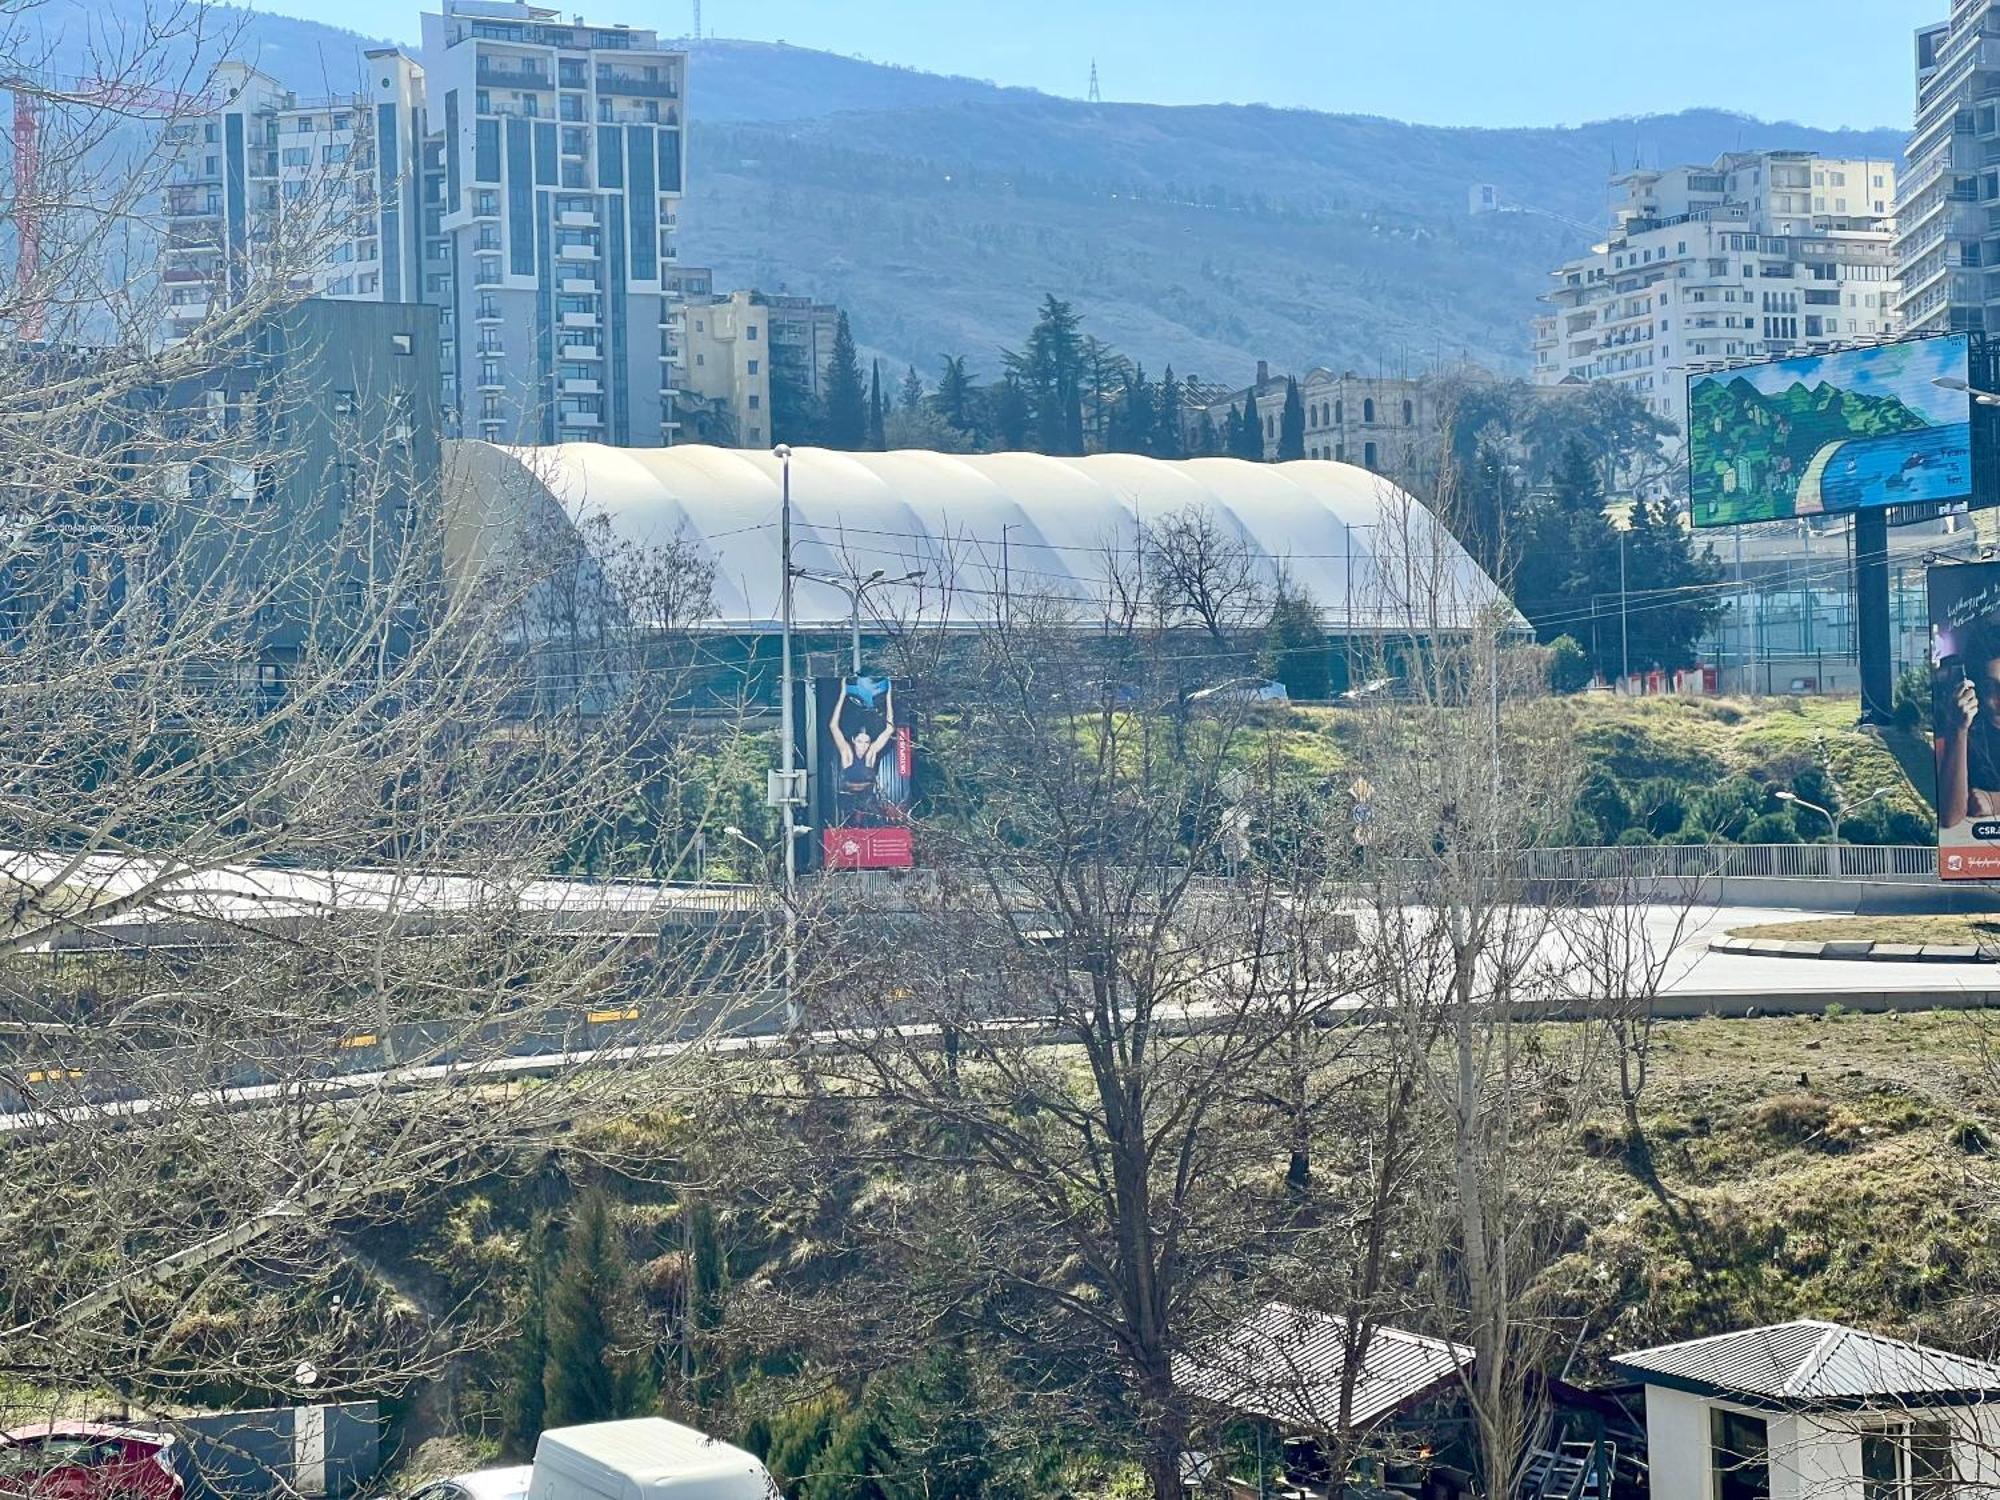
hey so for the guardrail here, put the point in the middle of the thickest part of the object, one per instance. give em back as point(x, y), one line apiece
point(1907, 864)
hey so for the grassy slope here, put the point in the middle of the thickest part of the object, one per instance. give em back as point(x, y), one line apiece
point(1812, 1168)
point(1697, 741)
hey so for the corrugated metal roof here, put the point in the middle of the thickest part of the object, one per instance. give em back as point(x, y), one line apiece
point(1287, 1363)
point(1369, 553)
point(1810, 1363)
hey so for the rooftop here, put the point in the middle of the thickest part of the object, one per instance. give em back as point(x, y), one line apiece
point(1814, 1364)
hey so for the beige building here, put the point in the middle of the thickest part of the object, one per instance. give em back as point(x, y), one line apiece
point(727, 392)
point(1763, 254)
point(1386, 423)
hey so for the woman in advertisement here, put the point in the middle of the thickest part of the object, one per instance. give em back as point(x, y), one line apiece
point(860, 799)
point(1967, 706)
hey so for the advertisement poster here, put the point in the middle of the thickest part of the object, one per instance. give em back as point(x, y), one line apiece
point(866, 758)
point(1965, 717)
point(1853, 430)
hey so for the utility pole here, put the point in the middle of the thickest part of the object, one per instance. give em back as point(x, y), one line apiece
point(1006, 579)
point(1096, 94)
point(1624, 633)
point(787, 746)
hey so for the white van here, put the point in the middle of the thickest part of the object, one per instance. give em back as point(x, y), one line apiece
point(647, 1458)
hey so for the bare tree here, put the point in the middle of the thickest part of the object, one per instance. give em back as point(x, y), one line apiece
point(1199, 573)
point(288, 817)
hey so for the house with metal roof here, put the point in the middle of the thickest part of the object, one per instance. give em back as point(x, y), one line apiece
point(1816, 1411)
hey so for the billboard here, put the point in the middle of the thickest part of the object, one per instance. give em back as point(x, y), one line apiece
point(866, 774)
point(1965, 717)
point(1854, 430)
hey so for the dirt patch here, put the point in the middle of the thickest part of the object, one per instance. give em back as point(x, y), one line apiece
point(1981, 930)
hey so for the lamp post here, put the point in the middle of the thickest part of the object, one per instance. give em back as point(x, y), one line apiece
point(853, 588)
point(787, 736)
point(1833, 822)
point(1953, 383)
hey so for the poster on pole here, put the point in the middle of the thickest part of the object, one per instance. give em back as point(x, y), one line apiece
point(1965, 717)
point(865, 786)
point(1818, 434)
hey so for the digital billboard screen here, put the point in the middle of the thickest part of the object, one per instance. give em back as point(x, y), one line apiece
point(1965, 717)
point(1821, 433)
point(866, 774)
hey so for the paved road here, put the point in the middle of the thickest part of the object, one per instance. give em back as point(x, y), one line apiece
point(1694, 971)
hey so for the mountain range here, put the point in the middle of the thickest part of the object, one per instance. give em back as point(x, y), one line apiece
point(939, 210)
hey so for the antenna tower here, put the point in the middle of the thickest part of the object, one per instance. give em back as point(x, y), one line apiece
point(697, 20)
point(1096, 94)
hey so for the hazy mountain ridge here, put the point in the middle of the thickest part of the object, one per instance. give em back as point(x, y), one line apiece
point(940, 209)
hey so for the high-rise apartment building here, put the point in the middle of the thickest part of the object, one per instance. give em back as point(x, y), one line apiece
point(551, 220)
point(1762, 254)
point(525, 177)
point(1948, 215)
point(322, 190)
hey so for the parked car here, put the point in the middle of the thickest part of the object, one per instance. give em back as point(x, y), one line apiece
point(1244, 690)
point(88, 1461)
point(484, 1484)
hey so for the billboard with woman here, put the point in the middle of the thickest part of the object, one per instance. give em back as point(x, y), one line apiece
point(1965, 717)
point(866, 782)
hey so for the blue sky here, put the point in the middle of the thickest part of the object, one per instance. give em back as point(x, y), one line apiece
point(1905, 371)
point(1450, 62)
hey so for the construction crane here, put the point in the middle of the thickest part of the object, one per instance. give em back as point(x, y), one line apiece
point(30, 94)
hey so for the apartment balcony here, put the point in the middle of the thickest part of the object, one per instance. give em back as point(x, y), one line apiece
point(579, 286)
point(577, 385)
point(579, 320)
point(490, 383)
point(571, 219)
point(580, 351)
point(486, 315)
point(194, 208)
point(491, 75)
point(609, 82)
point(588, 420)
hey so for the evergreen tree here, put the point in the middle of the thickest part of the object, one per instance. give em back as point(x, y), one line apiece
point(1249, 432)
point(877, 413)
point(522, 1402)
point(589, 1374)
point(954, 398)
point(1295, 650)
point(846, 424)
point(911, 398)
point(1207, 442)
point(946, 1427)
point(1567, 573)
point(796, 416)
point(1012, 416)
point(861, 1461)
point(1292, 424)
point(1050, 371)
point(1133, 419)
point(1167, 442)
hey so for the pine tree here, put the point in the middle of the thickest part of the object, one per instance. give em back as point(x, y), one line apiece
point(1292, 425)
point(954, 397)
point(846, 394)
point(1249, 432)
point(946, 1427)
point(522, 1403)
point(861, 1461)
point(1050, 372)
point(589, 1375)
point(1167, 442)
point(1133, 418)
point(1295, 644)
point(877, 415)
point(1207, 442)
point(911, 398)
point(1012, 415)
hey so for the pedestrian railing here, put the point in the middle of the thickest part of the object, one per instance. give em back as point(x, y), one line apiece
point(1900, 863)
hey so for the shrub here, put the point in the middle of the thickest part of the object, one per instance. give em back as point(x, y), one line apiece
point(1912, 700)
point(1569, 667)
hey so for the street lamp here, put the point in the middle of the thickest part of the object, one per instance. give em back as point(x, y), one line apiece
point(787, 736)
point(1954, 383)
point(853, 588)
point(1833, 822)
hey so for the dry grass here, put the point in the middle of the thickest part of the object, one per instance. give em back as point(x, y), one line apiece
point(1984, 931)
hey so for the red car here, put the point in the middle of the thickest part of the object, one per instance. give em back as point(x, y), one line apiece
point(87, 1461)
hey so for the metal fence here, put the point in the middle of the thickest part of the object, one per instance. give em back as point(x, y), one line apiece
point(1905, 864)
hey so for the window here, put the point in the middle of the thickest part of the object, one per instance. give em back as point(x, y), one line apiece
point(1739, 1455)
point(755, 401)
point(1409, 414)
point(753, 367)
point(343, 403)
point(1368, 455)
point(750, 333)
point(1340, 411)
point(297, 156)
point(1908, 1461)
point(1368, 411)
point(402, 343)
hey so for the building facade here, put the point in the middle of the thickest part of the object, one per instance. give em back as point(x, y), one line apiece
point(321, 191)
point(1385, 423)
point(1949, 208)
point(727, 396)
point(1762, 254)
point(524, 177)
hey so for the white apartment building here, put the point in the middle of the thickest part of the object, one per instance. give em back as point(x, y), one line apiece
point(525, 177)
point(324, 186)
point(556, 199)
point(1949, 208)
point(1762, 254)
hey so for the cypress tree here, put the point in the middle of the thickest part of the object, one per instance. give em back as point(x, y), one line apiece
point(861, 1461)
point(588, 1376)
point(1250, 432)
point(522, 1403)
point(1167, 441)
point(1292, 425)
point(878, 437)
point(846, 394)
